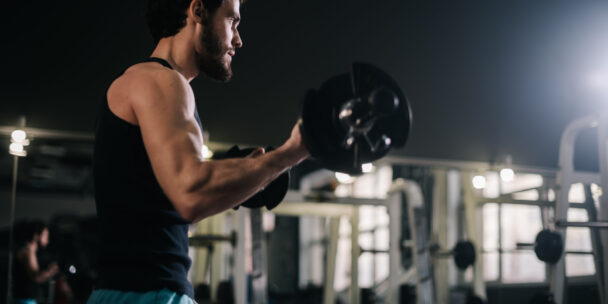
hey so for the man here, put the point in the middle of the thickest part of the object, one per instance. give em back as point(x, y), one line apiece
point(27, 274)
point(151, 179)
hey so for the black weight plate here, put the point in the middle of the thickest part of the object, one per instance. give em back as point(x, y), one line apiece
point(323, 133)
point(548, 246)
point(464, 254)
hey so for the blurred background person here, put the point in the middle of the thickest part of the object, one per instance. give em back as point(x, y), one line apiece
point(27, 275)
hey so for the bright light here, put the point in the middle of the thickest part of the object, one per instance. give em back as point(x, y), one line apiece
point(206, 152)
point(367, 168)
point(344, 178)
point(72, 269)
point(479, 182)
point(18, 136)
point(551, 195)
point(596, 190)
point(597, 80)
point(16, 149)
point(507, 174)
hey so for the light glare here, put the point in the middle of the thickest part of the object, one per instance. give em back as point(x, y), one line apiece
point(207, 153)
point(16, 149)
point(597, 80)
point(596, 190)
point(507, 174)
point(18, 136)
point(367, 168)
point(344, 178)
point(479, 182)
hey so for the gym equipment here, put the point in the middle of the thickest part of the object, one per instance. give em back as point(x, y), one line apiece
point(566, 177)
point(548, 246)
point(368, 296)
point(355, 118)
point(202, 292)
point(270, 196)
point(475, 299)
point(259, 279)
point(544, 297)
point(595, 225)
point(205, 240)
point(463, 253)
point(225, 293)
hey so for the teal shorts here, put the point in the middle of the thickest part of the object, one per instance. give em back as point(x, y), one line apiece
point(163, 296)
point(24, 301)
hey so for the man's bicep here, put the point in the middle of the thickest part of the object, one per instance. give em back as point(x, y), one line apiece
point(170, 134)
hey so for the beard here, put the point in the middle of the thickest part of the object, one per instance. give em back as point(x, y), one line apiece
point(211, 62)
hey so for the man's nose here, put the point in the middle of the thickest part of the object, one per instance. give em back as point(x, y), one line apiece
point(237, 42)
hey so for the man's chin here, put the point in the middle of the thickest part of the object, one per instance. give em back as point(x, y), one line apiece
point(223, 78)
point(220, 73)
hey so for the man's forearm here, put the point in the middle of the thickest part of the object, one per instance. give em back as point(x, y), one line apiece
point(223, 184)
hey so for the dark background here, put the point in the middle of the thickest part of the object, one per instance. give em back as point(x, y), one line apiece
point(485, 78)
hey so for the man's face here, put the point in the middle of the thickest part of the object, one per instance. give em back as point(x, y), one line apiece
point(220, 39)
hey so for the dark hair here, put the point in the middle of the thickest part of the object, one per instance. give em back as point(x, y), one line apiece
point(26, 230)
point(166, 17)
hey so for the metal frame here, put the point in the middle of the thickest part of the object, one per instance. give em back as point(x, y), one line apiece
point(470, 207)
point(568, 176)
point(397, 275)
point(463, 165)
point(239, 278)
point(547, 221)
point(296, 205)
point(259, 282)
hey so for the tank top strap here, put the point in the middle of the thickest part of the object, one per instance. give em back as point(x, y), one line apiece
point(159, 60)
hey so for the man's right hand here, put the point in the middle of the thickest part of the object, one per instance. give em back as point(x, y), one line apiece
point(295, 145)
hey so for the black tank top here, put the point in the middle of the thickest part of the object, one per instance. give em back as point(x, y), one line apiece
point(23, 286)
point(144, 241)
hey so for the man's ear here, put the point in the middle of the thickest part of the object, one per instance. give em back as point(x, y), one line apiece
point(198, 11)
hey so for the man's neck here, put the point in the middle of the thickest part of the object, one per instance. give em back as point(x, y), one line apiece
point(179, 52)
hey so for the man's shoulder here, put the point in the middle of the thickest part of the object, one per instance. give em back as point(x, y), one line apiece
point(145, 81)
point(151, 75)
